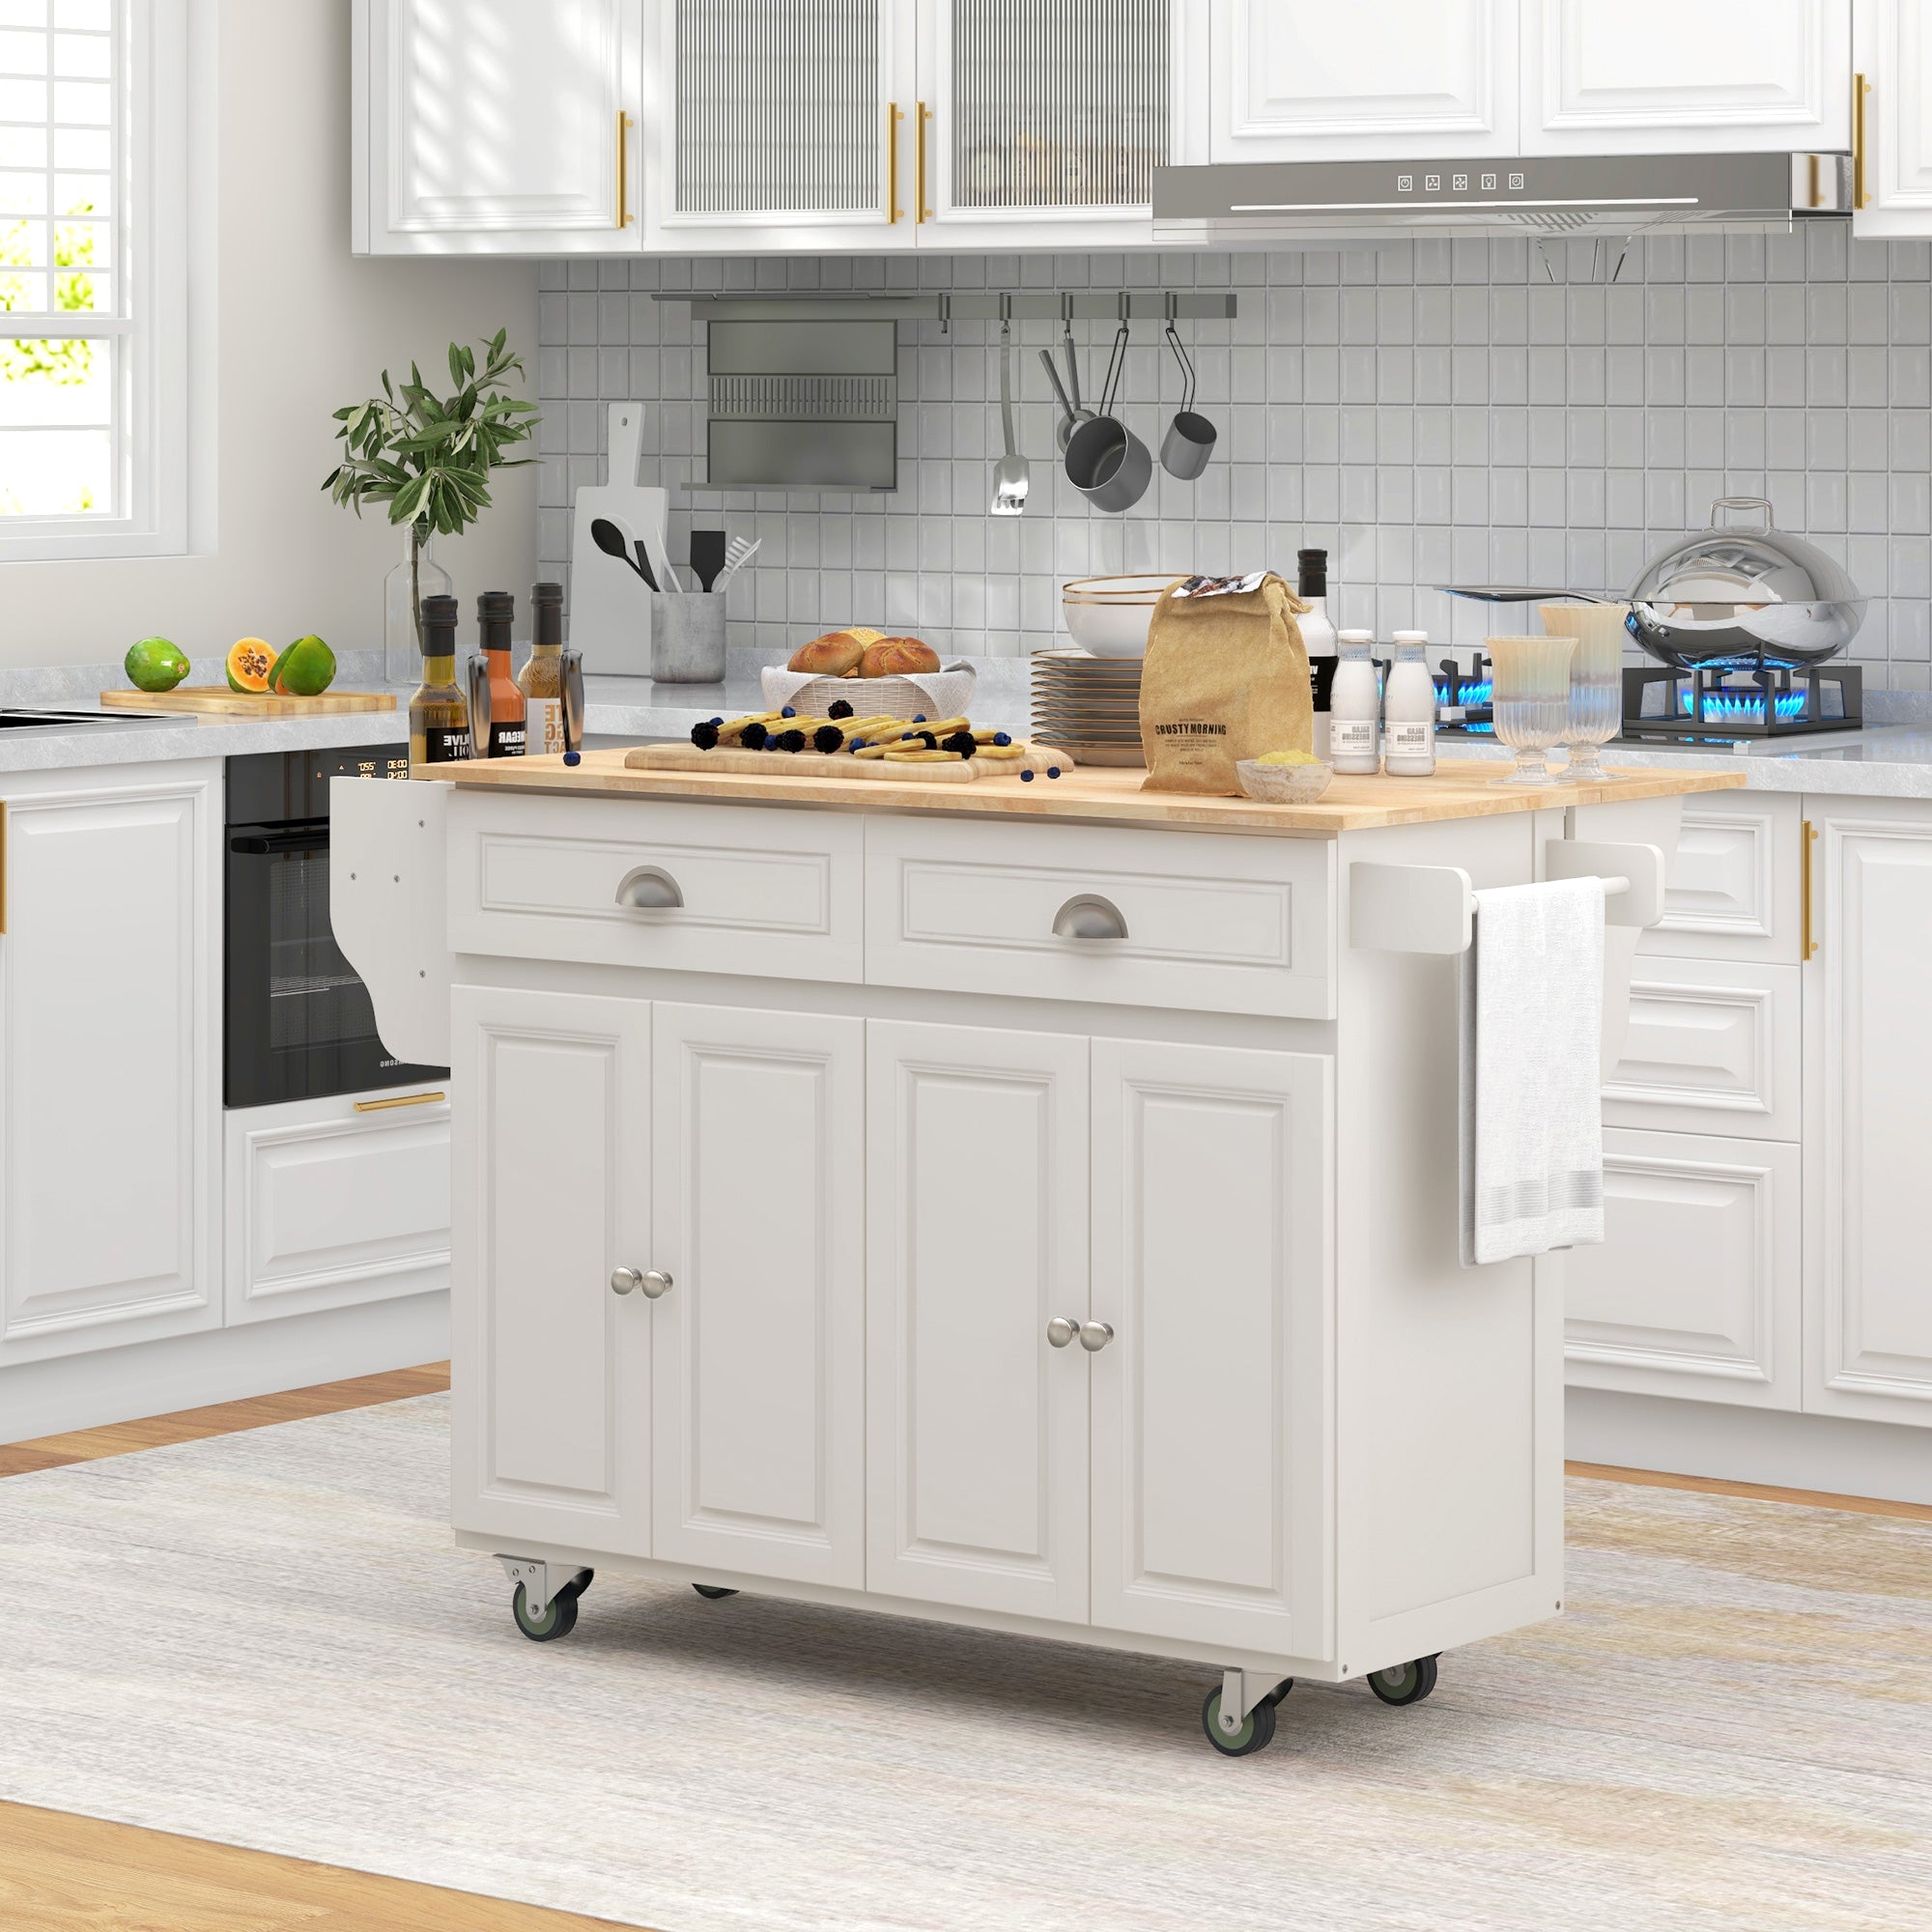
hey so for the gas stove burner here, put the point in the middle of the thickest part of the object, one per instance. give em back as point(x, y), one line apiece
point(1749, 700)
point(1464, 697)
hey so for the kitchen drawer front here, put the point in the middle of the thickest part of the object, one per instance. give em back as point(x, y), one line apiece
point(1732, 889)
point(1694, 1290)
point(1221, 924)
point(766, 891)
point(1713, 1047)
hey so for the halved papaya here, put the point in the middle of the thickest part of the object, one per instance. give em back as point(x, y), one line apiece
point(251, 662)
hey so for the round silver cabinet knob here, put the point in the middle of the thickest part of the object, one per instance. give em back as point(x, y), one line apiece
point(1095, 1335)
point(655, 1283)
point(1060, 1331)
point(624, 1280)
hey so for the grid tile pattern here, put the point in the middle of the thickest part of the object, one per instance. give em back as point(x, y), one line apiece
point(1432, 411)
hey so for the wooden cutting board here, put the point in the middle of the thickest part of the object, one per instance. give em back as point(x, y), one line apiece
point(219, 702)
point(837, 764)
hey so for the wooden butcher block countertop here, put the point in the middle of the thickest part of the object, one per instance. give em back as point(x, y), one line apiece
point(1464, 789)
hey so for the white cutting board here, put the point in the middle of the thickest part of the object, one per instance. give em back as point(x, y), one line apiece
point(610, 606)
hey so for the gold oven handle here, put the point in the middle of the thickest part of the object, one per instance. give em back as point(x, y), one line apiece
point(1806, 891)
point(401, 1100)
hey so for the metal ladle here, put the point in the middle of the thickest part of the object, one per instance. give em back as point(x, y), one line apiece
point(1190, 438)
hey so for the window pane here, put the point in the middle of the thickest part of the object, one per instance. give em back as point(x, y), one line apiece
point(22, 53)
point(94, 13)
point(82, 104)
point(56, 411)
point(23, 12)
point(22, 194)
point(82, 194)
point(56, 472)
point(23, 148)
point(83, 56)
point(81, 148)
point(23, 101)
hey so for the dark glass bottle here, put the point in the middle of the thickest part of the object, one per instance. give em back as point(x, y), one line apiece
point(439, 712)
point(496, 613)
point(541, 678)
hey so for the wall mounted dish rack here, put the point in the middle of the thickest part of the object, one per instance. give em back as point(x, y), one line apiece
point(802, 389)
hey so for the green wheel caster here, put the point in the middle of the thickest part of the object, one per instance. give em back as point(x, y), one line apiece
point(559, 1617)
point(1405, 1683)
point(713, 1590)
point(1257, 1731)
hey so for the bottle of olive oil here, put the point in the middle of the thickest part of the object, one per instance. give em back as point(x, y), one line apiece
point(496, 613)
point(439, 712)
point(541, 679)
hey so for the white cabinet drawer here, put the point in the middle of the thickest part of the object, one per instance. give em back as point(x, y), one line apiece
point(1713, 1047)
point(767, 891)
point(1226, 924)
point(1694, 1290)
point(328, 1206)
point(1732, 890)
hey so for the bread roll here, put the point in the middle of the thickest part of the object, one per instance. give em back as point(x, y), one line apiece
point(895, 657)
point(836, 654)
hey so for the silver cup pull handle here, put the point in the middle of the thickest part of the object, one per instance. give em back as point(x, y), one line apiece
point(655, 1283)
point(1060, 1331)
point(624, 1280)
point(1095, 1335)
point(1087, 916)
point(649, 889)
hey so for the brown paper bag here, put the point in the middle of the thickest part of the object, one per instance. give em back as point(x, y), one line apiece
point(1226, 677)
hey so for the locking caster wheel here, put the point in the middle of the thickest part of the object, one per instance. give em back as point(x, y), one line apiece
point(558, 1619)
point(713, 1590)
point(1257, 1728)
point(1405, 1683)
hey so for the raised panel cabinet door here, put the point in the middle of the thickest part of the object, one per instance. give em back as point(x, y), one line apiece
point(1732, 889)
point(1892, 48)
point(1868, 1096)
point(498, 126)
point(1395, 79)
point(110, 1056)
point(976, 1177)
point(759, 1406)
point(784, 126)
point(1043, 117)
point(551, 1178)
point(1694, 1290)
point(1213, 1264)
point(1654, 77)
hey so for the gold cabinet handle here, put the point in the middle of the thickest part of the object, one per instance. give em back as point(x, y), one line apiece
point(401, 1100)
point(894, 116)
point(1861, 87)
point(623, 169)
point(1808, 834)
point(919, 164)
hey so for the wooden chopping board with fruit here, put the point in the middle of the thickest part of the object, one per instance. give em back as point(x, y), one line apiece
point(262, 682)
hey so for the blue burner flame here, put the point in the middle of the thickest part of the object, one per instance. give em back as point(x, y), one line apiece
point(1738, 707)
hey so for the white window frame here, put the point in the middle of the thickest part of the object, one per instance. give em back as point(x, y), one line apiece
point(149, 320)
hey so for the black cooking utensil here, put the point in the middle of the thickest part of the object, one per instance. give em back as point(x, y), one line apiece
point(707, 556)
point(611, 540)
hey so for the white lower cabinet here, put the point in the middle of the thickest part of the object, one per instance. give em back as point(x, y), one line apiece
point(330, 1202)
point(975, 1175)
point(550, 1189)
point(1695, 1289)
point(110, 1056)
point(758, 1415)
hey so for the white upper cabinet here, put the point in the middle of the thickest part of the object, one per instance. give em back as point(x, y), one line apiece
point(1357, 82)
point(1644, 76)
point(777, 125)
point(496, 126)
point(1891, 44)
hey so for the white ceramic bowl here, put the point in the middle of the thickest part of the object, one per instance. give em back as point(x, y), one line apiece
point(1283, 785)
point(1110, 616)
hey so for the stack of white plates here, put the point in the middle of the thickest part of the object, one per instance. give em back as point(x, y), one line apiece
point(1088, 706)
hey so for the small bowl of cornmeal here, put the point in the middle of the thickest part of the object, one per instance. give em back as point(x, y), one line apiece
point(1284, 778)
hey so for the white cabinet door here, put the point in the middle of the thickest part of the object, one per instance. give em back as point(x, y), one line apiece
point(1655, 76)
point(1868, 1105)
point(110, 1058)
point(1044, 124)
point(783, 127)
point(551, 1179)
point(1397, 79)
point(759, 1381)
point(335, 1201)
point(1892, 48)
point(496, 126)
point(1732, 889)
point(1213, 1258)
point(975, 1174)
point(1695, 1289)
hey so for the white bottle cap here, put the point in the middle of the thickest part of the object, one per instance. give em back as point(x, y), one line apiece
point(1412, 636)
point(1355, 637)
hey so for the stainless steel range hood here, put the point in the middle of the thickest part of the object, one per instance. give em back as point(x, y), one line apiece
point(1269, 203)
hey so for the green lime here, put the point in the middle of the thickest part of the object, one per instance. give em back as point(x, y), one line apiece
point(155, 665)
point(305, 670)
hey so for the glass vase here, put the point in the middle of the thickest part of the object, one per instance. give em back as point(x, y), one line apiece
point(1530, 697)
point(1596, 682)
point(416, 577)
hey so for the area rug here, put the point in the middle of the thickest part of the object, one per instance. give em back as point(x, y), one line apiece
point(267, 1640)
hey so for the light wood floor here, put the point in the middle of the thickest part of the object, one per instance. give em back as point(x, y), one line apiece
point(59, 1873)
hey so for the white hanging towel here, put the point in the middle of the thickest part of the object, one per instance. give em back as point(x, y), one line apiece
point(1532, 1126)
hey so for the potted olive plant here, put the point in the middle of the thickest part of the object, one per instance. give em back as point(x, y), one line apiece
point(429, 459)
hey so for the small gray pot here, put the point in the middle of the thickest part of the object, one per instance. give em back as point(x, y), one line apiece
point(1108, 464)
point(688, 637)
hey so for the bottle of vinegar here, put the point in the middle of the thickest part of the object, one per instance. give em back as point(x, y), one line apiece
point(1317, 637)
point(496, 613)
point(1354, 707)
point(541, 678)
point(439, 712)
point(1408, 710)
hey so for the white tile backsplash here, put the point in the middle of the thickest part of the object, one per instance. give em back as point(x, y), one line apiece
point(1429, 411)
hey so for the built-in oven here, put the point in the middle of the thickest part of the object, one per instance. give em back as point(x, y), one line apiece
point(298, 1024)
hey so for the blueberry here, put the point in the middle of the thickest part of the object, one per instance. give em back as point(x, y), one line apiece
point(1026, 778)
point(919, 717)
point(1053, 771)
point(1002, 738)
point(718, 720)
point(788, 712)
point(572, 757)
